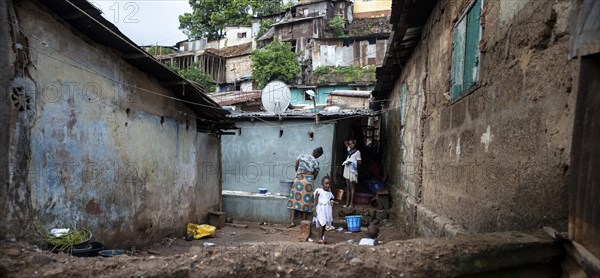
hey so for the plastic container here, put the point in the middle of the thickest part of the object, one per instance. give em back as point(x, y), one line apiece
point(376, 186)
point(362, 198)
point(285, 186)
point(353, 222)
point(81, 252)
point(262, 190)
point(96, 247)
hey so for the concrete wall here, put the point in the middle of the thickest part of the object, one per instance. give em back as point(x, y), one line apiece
point(93, 152)
point(238, 67)
point(258, 157)
point(497, 159)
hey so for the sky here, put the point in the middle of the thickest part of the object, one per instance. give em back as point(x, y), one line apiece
point(146, 22)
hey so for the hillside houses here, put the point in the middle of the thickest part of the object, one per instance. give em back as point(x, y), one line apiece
point(332, 59)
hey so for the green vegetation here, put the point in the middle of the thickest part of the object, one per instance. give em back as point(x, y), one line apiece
point(66, 242)
point(159, 50)
point(264, 27)
point(337, 25)
point(325, 74)
point(193, 73)
point(275, 62)
point(209, 17)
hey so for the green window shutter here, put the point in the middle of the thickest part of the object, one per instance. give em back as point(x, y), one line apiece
point(471, 65)
point(403, 104)
point(458, 59)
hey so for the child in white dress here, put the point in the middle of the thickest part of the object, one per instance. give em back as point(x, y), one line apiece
point(323, 209)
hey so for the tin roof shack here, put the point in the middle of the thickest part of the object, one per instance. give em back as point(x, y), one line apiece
point(331, 61)
point(478, 103)
point(247, 101)
point(237, 66)
point(264, 151)
point(99, 135)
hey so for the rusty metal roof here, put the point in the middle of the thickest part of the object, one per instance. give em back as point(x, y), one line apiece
point(235, 97)
point(296, 19)
point(87, 19)
point(304, 114)
point(351, 93)
point(231, 51)
point(407, 19)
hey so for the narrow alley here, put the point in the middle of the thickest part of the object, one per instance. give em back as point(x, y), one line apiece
point(287, 138)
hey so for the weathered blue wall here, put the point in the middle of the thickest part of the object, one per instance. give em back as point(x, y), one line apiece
point(93, 152)
point(260, 158)
point(322, 93)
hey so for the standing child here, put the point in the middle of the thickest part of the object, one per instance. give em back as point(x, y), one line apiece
point(351, 170)
point(323, 211)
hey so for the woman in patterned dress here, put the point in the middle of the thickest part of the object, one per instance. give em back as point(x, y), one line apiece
point(301, 194)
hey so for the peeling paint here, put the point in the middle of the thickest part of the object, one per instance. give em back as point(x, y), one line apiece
point(457, 151)
point(486, 138)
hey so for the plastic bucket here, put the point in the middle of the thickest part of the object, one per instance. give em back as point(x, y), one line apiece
point(285, 186)
point(353, 222)
point(376, 186)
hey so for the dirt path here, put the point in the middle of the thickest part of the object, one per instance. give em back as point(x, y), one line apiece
point(443, 257)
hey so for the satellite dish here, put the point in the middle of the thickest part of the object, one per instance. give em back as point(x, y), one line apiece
point(276, 97)
point(311, 93)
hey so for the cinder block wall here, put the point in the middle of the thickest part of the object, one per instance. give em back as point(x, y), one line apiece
point(497, 159)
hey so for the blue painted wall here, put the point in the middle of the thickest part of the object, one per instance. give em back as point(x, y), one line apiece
point(94, 153)
point(322, 93)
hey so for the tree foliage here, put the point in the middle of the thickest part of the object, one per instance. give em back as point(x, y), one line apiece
point(209, 17)
point(264, 27)
point(195, 74)
point(337, 25)
point(275, 62)
point(159, 50)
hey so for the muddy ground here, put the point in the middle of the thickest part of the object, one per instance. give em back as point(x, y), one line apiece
point(272, 250)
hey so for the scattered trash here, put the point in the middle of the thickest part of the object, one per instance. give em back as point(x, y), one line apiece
point(232, 233)
point(208, 244)
point(153, 252)
point(339, 230)
point(310, 239)
point(350, 241)
point(367, 241)
point(112, 253)
point(200, 231)
point(59, 232)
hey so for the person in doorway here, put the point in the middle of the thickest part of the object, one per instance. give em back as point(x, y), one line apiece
point(323, 209)
point(351, 170)
point(301, 194)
